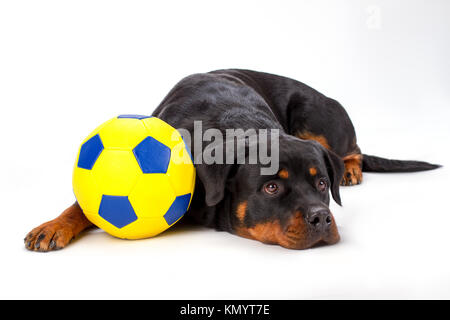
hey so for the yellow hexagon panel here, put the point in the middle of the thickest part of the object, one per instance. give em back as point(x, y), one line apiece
point(116, 172)
point(162, 132)
point(139, 229)
point(144, 228)
point(96, 130)
point(86, 190)
point(122, 133)
point(152, 196)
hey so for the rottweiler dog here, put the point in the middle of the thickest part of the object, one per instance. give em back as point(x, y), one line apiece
point(318, 152)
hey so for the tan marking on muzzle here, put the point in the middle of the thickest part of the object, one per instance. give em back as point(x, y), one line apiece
point(294, 236)
point(241, 210)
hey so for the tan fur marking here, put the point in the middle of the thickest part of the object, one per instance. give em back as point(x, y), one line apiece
point(268, 232)
point(305, 135)
point(294, 236)
point(353, 169)
point(353, 156)
point(283, 174)
point(56, 234)
point(241, 209)
point(312, 171)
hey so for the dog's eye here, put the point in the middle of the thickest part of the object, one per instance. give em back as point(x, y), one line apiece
point(271, 188)
point(322, 185)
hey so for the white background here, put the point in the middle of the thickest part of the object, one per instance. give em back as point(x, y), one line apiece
point(66, 67)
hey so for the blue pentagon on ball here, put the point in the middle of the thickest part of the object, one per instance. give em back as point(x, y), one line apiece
point(177, 209)
point(152, 156)
point(133, 116)
point(117, 210)
point(89, 152)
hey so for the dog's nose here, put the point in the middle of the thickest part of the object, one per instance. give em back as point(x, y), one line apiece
point(319, 218)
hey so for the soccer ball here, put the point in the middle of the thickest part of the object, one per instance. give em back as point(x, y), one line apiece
point(134, 176)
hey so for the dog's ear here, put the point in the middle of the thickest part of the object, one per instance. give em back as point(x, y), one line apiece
point(335, 168)
point(214, 178)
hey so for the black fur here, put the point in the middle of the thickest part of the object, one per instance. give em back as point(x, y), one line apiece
point(377, 164)
point(247, 99)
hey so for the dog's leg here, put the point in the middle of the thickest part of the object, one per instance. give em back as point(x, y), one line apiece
point(57, 233)
point(353, 170)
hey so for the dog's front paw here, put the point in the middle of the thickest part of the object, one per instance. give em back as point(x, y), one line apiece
point(52, 235)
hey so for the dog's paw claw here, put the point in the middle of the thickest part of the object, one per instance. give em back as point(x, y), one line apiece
point(50, 236)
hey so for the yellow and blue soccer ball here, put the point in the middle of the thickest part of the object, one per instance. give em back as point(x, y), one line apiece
point(134, 176)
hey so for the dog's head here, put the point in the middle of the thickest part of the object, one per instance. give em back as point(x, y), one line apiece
point(289, 208)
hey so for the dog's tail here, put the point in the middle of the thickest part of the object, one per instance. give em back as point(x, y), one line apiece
point(377, 164)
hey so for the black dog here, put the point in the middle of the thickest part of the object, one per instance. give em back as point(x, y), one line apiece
point(317, 153)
